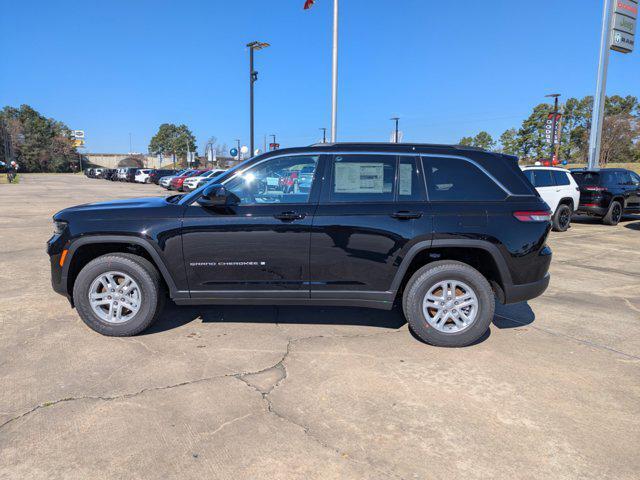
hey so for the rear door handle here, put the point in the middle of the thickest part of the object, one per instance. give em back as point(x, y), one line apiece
point(406, 215)
point(290, 216)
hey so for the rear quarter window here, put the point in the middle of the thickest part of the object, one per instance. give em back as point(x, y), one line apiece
point(454, 179)
point(560, 178)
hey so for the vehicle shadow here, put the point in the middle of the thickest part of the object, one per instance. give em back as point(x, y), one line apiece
point(174, 316)
point(513, 316)
point(633, 226)
point(588, 220)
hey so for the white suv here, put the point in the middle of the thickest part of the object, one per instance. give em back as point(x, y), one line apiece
point(142, 175)
point(557, 187)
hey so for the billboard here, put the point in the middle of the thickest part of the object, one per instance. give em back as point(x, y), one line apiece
point(623, 25)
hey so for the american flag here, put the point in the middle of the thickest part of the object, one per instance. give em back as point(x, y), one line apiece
point(308, 4)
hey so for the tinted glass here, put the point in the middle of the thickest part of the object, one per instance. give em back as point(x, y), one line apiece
point(363, 178)
point(624, 178)
point(560, 177)
point(635, 178)
point(586, 178)
point(410, 182)
point(452, 179)
point(529, 175)
point(543, 178)
point(277, 180)
point(609, 178)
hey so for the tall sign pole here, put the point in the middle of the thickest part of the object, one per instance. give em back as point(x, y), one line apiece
point(334, 79)
point(618, 33)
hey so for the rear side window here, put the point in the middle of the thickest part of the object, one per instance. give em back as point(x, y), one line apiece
point(543, 178)
point(560, 178)
point(454, 179)
point(363, 178)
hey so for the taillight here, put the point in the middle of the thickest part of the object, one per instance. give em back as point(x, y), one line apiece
point(533, 216)
point(593, 188)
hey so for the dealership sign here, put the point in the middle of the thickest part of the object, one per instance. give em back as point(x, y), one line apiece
point(623, 26)
point(551, 124)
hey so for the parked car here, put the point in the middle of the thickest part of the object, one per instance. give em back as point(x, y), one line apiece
point(192, 183)
point(157, 174)
point(131, 174)
point(107, 173)
point(122, 174)
point(557, 187)
point(177, 181)
point(608, 193)
point(442, 230)
point(166, 181)
point(142, 175)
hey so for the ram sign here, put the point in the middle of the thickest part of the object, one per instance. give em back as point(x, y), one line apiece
point(623, 26)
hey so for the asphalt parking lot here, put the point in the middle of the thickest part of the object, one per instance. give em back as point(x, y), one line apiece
point(289, 392)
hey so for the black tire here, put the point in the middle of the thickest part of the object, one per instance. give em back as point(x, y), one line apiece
point(146, 276)
point(614, 214)
point(562, 218)
point(420, 284)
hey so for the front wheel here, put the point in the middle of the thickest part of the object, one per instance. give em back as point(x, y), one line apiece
point(562, 218)
point(448, 304)
point(118, 294)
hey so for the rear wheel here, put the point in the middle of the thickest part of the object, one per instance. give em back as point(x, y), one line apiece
point(562, 218)
point(614, 214)
point(118, 294)
point(448, 304)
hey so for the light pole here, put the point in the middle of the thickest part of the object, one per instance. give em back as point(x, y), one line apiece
point(324, 134)
point(274, 140)
point(238, 140)
point(253, 76)
point(334, 76)
point(554, 123)
point(396, 138)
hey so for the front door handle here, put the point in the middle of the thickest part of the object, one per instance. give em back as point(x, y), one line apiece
point(290, 216)
point(406, 215)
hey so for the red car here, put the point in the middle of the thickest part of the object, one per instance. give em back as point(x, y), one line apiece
point(176, 182)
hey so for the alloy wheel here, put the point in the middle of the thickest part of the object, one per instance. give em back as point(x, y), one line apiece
point(450, 306)
point(115, 297)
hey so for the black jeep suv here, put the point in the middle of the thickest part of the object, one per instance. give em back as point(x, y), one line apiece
point(439, 229)
point(608, 193)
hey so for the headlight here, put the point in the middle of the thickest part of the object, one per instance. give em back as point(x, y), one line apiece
point(58, 227)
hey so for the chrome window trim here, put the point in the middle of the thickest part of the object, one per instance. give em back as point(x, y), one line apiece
point(373, 152)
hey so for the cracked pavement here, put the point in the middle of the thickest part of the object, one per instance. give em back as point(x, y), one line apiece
point(553, 391)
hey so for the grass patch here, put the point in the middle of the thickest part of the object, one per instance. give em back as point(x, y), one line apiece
point(3, 178)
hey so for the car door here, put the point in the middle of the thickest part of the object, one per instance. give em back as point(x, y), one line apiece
point(258, 248)
point(364, 224)
point(634, 199)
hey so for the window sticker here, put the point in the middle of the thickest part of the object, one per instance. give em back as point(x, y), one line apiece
point(359, 178)
point(406, 174)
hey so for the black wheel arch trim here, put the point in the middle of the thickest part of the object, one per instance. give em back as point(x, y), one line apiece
point(147, 245)
point(493, 250)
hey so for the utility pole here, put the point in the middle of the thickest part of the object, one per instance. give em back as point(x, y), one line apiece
point(324, 134)
point(274, 140)
point(554, 122)
point(253, 77)
point(334, 76)
point(238, 141)
point(130, 144)
point(395, 135)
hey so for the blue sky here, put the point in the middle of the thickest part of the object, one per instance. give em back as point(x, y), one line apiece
point(447, 68)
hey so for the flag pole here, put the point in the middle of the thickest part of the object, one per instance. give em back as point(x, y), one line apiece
point(334, 79)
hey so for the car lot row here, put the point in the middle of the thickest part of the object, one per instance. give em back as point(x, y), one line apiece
point(185, 180)
point(607, 193)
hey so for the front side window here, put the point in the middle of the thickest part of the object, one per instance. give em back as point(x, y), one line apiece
point(635, 178)
point(276, 180)
point(454, 179)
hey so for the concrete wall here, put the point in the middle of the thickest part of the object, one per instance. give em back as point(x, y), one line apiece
point(112, 160)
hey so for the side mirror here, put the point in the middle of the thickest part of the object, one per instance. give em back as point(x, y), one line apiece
point(217, 195)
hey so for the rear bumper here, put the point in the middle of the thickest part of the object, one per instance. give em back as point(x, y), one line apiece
point(527, 291)
point(591, 210)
